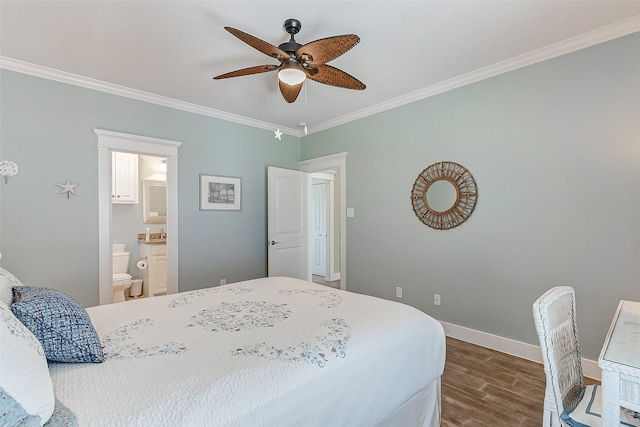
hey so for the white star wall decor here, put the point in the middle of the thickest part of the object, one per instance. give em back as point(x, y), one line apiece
point(278, 134)
point(68, 188)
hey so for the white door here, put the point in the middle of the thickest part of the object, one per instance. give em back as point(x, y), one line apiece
point(319, 228)
point(287, 241)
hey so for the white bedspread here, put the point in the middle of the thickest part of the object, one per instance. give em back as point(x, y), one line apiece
point(265, 352)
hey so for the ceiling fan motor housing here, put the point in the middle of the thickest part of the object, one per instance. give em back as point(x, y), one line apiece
point(290, 47)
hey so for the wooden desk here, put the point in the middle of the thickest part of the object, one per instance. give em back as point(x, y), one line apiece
point(620, 364)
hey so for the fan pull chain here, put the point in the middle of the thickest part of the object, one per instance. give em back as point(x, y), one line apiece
point(305, 110)
point(278, 133)
point(303, 125)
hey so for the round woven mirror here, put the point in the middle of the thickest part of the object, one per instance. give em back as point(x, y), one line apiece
point(444, 195)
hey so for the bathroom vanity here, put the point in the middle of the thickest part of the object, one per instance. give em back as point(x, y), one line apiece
point(155, 275)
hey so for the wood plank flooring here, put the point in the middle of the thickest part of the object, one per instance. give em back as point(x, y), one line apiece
point(483, 387)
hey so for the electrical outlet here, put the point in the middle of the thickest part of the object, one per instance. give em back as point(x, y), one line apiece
point(398, 292)
point(223, 282)
point(436, 299)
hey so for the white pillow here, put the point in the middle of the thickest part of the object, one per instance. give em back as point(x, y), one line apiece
point(7, 282)
point(25, 375)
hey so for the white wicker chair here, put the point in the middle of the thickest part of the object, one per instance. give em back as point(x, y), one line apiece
point(554, 315)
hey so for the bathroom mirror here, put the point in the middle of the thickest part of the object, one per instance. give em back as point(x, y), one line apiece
point(444, 195)
point(154, 202)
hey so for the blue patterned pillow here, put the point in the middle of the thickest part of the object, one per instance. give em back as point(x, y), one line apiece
point(7, 282)
point(13, 414)
point(60, 323)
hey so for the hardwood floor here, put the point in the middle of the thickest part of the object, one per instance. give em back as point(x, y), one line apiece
point(483, 387)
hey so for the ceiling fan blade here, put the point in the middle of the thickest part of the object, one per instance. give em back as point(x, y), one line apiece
point(324, 50)
point(261, 45)
point(247, 71)
point(332, 76)
point(289, 92)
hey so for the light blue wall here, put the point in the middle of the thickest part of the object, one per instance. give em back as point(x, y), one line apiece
point(47, 128)
point(554, 148)
point(555, 151)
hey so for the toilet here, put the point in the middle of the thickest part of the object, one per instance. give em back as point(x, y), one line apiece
point(121, 280)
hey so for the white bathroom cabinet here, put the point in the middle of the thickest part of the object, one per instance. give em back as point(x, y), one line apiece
point(124, 177)
point(155, 275)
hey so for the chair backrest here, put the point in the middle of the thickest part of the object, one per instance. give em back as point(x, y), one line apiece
point(554, 315)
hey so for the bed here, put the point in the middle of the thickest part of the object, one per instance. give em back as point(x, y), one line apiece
point(264, 352)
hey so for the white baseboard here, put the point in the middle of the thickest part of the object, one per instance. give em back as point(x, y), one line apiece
point(526, 351)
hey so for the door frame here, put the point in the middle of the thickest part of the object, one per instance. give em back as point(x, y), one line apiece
point(109, 141)
point(328, 179)
point(337, 162)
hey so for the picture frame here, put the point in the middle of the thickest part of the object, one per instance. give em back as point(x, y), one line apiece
point(220, 193)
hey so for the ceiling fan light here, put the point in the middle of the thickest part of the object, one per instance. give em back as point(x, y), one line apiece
point(291, 76)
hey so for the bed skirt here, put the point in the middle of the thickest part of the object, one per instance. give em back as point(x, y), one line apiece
point(423, 409)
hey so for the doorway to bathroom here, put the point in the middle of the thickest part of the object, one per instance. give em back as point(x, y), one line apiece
point(156, 150)
point(138, 206)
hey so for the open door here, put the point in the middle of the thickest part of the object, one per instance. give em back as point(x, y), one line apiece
point(287, 241)
point(319, 228)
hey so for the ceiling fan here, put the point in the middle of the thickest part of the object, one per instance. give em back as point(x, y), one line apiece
point(298, 62)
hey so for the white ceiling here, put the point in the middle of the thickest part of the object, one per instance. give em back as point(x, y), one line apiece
point(168, 51)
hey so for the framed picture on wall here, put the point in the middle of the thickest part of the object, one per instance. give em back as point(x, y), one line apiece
point(222, 193)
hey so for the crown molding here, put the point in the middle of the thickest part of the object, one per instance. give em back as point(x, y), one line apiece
point(603, 34)
point(600, 35)
point(99, 85)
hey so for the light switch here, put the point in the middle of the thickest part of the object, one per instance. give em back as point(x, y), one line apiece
point(351, 212)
